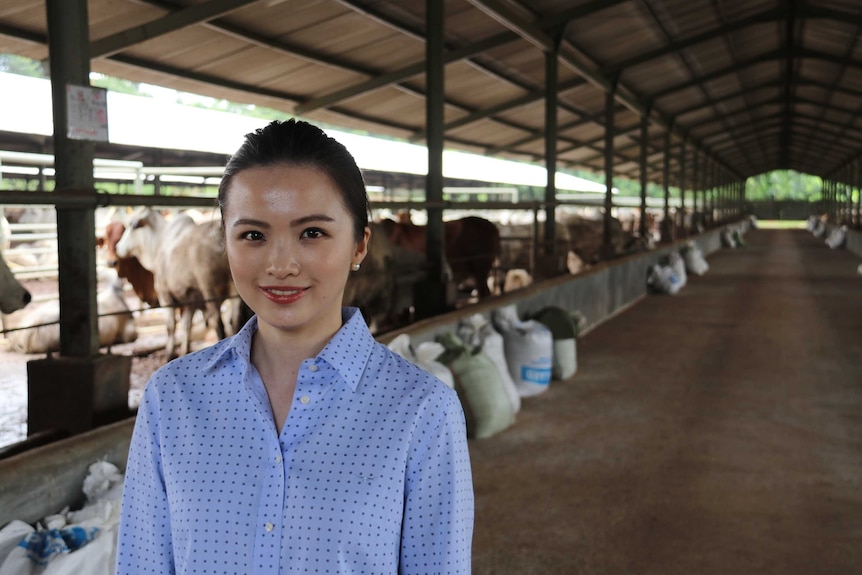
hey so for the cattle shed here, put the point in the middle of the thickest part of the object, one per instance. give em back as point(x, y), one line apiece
point(713, 432)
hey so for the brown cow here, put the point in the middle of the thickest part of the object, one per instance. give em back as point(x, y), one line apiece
point(472, 247)
point(587, 238)
point(129, 268)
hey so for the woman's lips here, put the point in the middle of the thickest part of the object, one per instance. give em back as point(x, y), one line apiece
point(283, 295)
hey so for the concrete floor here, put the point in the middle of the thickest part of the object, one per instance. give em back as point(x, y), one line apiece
point(718, 431)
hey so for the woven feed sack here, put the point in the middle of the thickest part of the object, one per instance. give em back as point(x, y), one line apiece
point(662, 279)
point(695, 263)
point(837, 238)
point(564, 331)
point(529, 349)
point(477, 331)
point(676, 263)
point(486, 408)
point(424, 355)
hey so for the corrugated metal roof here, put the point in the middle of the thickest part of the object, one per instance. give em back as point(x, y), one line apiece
point(754, 85)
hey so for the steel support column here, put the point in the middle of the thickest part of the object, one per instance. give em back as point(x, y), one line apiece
point(607, 247)
point(551, 77)
point(695, 186)
point(642, 225)
point(667, 226)
point(682, 187)
point(858, 181)
point(68, 49)
point(80, 389)
point(430, 296)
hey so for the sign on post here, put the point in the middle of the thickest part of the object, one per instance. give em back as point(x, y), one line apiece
point(87, 110)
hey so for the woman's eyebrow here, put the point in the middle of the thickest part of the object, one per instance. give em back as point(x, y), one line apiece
point(251, 222)
point(312, 218)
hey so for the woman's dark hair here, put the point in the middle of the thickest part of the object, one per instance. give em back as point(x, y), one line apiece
point(302, 144)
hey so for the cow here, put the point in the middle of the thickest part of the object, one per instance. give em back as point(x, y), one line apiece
point(586, 237)
point(116, 323)
point(472, 247)
point(140, 278)
point(189, 265)
point(13, 295)
point(382, 288)
point(516, 249)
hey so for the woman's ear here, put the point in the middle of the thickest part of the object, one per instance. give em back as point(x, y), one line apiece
point(362, 246)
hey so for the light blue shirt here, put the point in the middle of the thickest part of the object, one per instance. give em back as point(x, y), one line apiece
point(370, 474)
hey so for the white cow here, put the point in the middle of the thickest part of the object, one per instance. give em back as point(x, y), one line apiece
point(116, 324)
point(189, 266)
point(13, 296)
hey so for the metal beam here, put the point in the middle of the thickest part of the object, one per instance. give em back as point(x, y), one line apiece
point(170, 23)
point(389, 78)
point(675, 47)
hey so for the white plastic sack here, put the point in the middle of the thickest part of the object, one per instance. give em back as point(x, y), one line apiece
point(477, 331)
point(727, 238)
point(529, 348)
point(677, 264)
point(663, 279)
point(424, 356)
point(819, 228)
point(565, 358)
point(752, 221)
point(837, 237)
point(72, 543)
point(695, 263)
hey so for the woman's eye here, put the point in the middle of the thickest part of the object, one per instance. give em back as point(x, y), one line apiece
point(253, 236)
point(313, 233)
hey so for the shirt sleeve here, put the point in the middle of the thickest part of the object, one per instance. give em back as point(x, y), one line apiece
point(144, 540)
point(437, 531)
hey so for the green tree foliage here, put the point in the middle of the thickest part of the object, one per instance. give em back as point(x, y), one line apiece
point(116, 85)
point(12, 64)
point(783, 185)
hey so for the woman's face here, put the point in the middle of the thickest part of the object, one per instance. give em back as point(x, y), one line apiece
point(290, 243)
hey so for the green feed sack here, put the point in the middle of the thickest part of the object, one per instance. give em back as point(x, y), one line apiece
point(487, 409)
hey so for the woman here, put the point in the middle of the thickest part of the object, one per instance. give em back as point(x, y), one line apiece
point(299, 445)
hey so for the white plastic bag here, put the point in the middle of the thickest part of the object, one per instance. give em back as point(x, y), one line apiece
point(677, 264)
point(529, 349)
point(83, 541)
point(425, 356)
point(837, 237)
point(727, 238)
point(663, 279)
point(695, 263)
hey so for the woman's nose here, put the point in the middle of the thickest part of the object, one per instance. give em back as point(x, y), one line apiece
point(282, 265)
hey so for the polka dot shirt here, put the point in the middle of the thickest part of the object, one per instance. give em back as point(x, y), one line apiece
point(370, 473)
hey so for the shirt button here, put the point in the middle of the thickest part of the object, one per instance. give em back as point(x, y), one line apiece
point(269, 527)
point(305, 399)
point(312, 367)
point(278, 458)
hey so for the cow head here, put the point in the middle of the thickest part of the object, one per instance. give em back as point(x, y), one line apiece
point(13, 295)
point(141, 238)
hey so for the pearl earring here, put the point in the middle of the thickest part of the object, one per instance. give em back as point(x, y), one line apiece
point(355, 267)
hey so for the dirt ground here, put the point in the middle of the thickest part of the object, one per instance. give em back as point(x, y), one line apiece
point(718, 431)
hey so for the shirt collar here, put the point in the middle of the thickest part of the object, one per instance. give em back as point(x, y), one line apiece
point(353, 341)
